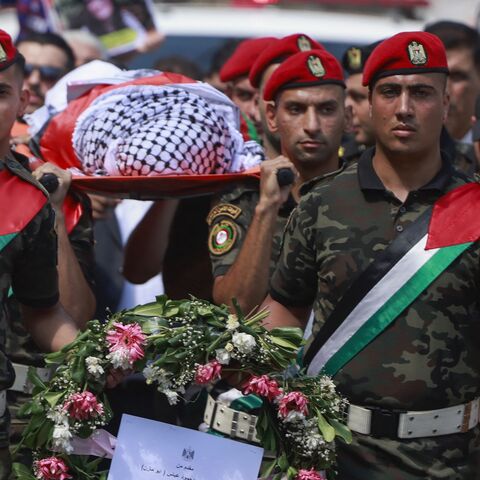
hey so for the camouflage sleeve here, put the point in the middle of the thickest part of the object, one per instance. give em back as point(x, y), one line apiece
point(294, 281)
point(228, 223)
point(35, 280)
point(82, 241)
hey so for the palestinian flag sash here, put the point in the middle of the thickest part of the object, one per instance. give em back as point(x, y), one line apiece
point(393, 281)
point(20, 201)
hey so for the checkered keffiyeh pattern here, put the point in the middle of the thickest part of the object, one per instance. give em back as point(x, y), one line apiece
point(158, 130)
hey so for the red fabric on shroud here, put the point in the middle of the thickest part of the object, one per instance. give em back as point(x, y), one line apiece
point(162, 186)
point(455, 218)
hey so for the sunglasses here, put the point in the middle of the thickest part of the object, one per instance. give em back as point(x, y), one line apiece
point(47, 73)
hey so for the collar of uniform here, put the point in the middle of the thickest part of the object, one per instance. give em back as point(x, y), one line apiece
point(369, 180)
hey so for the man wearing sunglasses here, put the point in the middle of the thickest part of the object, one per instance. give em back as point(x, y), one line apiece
point(48, 57)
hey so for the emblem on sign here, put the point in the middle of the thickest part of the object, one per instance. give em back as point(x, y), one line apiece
point(315, 66)
point(188, 454)
point(3, 55)
point(417, 53)
point(303, 43)
point(354, 56)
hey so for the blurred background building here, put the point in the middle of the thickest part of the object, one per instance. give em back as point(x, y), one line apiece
point(195, 30)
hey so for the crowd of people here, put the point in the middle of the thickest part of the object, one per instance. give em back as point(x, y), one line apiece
point(374, 141)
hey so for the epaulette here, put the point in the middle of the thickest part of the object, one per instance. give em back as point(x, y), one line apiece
point(321, 179)
point(17, 169)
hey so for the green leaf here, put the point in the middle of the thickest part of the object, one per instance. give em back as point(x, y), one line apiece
point(22, 472)
point(292, 472)
point(53, 397)
point(342, 430)
point(327, 430)
point(283, 462)
point(283, 343)
point(35, 379)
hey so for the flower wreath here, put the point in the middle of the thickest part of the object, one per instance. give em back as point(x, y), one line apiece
point(175, 343)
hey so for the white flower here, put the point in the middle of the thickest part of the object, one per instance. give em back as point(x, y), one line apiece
point(120, 358)
point(93, 366)
point(327, 385)
point(58, 416)
point(293, 416)
point(158, 375)
point(232, 322)
point(61, 437)
point(244, 342)
point(172, 397)
point(314, 441)
point(229, 347)
point(223, 356)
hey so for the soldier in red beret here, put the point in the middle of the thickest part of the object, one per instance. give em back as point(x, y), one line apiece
point(306, 108)
point(395, 323)
point(28, 244)
point(235, 74)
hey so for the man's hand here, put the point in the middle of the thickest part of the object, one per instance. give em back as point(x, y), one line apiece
point(64, 181)
point(102, 207)
point(271, 194)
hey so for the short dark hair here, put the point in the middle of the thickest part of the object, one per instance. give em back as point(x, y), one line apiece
point(50, 38)
point(457, 35)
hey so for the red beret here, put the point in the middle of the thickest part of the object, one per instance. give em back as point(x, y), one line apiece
point(278, 51)
point(8, 52)
point(242, 59)
point(305, 69)
point(404, 54)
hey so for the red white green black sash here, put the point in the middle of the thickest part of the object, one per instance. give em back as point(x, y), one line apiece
point(20, 201)
point(393, 281)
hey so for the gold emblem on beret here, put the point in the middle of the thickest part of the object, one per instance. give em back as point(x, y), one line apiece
point(315, 66)
point(354, 56)
point(3, 55)
point(303, 43)
point(417, 53)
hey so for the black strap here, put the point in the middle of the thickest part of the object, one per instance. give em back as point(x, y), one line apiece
point(369, 278)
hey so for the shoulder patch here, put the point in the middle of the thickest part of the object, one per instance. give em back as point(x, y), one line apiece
point(225, 209)
point(222, 237)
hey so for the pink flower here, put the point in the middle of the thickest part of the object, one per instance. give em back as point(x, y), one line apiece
point(309, 475)
point(263, 386)
point(83, 406)
point(52, 468)
point(128, 338)
point(208, 372)
point(293, 401)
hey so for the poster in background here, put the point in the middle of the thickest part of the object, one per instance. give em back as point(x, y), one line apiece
point(121, 25)
point(35, 16)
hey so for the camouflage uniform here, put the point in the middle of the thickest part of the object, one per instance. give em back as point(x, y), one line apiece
point(19, 345)
point(29, 267)
point(428, 358)
point(234, 211)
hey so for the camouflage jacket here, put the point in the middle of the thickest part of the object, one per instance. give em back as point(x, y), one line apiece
point(229, 219)
point(29, 266)
point(19, 345)
point(429, 357)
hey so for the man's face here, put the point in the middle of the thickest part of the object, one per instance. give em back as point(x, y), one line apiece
point(44, 66)
point(408, 112)
point(272, 137)
point(310, 122)
point(463, 87)
point(13, 101)
point(357, 100)
point(245, 97)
